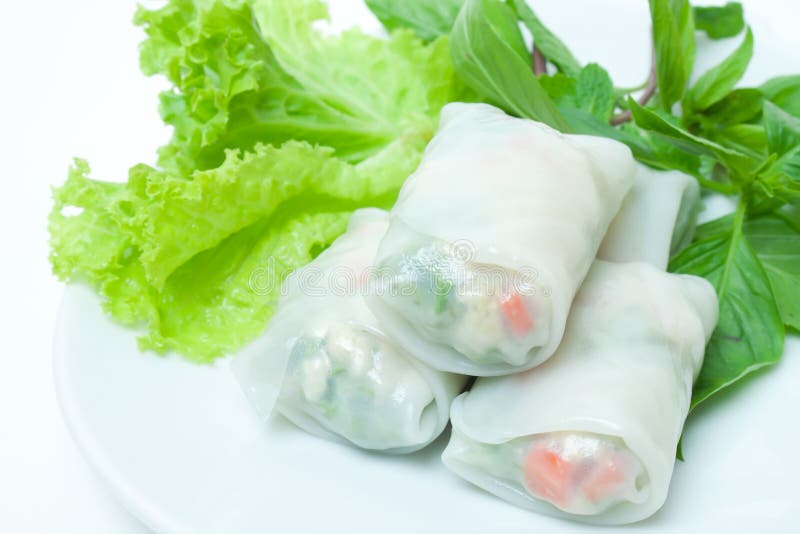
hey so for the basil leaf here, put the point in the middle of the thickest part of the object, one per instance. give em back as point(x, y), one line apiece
point(786, 185)
point(720, 80)
point(585, 123)
point(784, 92)
point(669, 40)
point(782, 129)
point(546, 41)
point(720, 22)
point(594, 91)
point(776, 239)
point(677, 136)
point(777, 183)
point(428, 19)
point(489, 54)
point(669, 157)
point(740, 105)
point(750, 331)
point(748, 139)
point(645, 148)
point(686, 28)
point(790, 165)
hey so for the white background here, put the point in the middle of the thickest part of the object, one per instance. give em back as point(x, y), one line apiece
point(70, 86)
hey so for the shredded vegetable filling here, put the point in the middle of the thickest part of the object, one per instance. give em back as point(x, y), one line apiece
point(578, 472)
point(488, 313)
point(358, 385)
point(582, 473)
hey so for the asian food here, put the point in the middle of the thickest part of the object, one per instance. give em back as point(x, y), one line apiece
point(327, 366)
point(528, 249)
point(491, 238)
point(592, 433)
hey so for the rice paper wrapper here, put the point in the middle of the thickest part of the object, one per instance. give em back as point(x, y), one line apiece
point(513, 194)
point(322, 309)
point(632, 348)
point(657, 218)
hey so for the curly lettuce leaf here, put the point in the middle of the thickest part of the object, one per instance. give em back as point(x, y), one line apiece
point(280, 131)
point(260, 72)
point(173, 218)
point(177, 252)
point(224, 297)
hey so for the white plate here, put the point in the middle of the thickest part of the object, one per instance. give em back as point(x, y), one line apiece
point(181, 449)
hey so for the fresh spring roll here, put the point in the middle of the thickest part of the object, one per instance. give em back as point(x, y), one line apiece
point(592, 433)
point(491, 238)
point(326, 365)
point(663, 206)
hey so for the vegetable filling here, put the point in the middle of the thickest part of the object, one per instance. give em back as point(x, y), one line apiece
point(356, 384)
point(578, 472)
point(488, 313)
point(582, 473)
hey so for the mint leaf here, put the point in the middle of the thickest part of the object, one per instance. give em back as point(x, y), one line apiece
point(546, 41)
point(782, 129)
point(673, 34)
point(750, 331)
point(784, 92)
point(594, 91)
point(559, 87)
point(428, 19)
point(720, 21)
point(490, 55)
point(720, 80)
point(776, 239)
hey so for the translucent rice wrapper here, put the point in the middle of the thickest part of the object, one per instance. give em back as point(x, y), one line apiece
point(657, 218)
point(591, 435)
point(491, 238)
point(619, 386)
point(325, 363)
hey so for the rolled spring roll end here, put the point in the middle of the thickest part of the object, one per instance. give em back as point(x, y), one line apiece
point(356, 384)
point(583, 473)
point(578, 473)
point(487, 313)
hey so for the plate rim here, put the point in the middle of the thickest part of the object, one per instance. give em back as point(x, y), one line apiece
point(136, 504)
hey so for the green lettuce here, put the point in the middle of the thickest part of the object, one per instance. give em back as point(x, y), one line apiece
point(188, 255)
point(280, 131)
point(259, 72)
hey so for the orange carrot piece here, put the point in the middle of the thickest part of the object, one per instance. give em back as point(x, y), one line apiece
point(548, 475)
point(516, 315)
